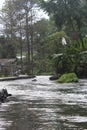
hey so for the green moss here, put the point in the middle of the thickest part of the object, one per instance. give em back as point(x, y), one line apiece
point(68, 78)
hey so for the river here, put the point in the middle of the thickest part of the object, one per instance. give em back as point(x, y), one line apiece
point(44, 105)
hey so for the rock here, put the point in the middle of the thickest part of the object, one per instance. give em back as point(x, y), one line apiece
point(53, 78)
point(34, 80)
point(4, 94)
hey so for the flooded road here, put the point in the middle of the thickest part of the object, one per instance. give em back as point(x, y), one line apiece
point(44, 105)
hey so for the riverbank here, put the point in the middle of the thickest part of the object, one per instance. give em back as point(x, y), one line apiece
point(17, 77)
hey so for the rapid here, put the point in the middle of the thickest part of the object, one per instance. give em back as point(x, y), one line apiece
point(42, 104)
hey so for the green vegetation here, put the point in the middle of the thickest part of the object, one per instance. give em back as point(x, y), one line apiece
point(69, 16)
point(67, 78)
point(41, 39)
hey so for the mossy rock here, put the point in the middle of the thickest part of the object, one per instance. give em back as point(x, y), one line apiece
point(68, 78)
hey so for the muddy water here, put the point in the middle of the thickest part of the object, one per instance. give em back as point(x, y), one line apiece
point(44, 105)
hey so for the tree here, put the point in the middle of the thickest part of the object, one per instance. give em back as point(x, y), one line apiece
point(19, 17)
point(40, 32)
point(70, 14)
point(26, 8)
point(8, 17)
point(53, 46)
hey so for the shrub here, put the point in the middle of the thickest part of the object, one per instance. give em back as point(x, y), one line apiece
point(68, 78)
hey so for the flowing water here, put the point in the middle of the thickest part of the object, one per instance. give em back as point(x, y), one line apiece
point(44, 105)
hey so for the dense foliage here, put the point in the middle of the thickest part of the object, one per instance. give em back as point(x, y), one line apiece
point(7, 50)
point(68, 14)
point(41, 40)
point(71, 17)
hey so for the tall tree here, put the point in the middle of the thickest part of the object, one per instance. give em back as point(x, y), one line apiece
point(8, 17)
point(26, 7)
point(19, 17)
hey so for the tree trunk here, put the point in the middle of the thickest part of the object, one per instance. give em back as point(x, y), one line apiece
point(21, 43)
point(31, 34)
point(28, 45)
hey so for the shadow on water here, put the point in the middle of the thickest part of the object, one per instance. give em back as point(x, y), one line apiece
point(44, 105)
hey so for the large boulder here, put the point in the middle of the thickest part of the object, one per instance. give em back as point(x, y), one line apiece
point(53, 77)
point(4, 94)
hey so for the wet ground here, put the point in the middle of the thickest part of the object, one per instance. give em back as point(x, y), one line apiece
point(44, 105)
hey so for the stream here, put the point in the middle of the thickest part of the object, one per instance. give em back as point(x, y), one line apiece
point(44, 105)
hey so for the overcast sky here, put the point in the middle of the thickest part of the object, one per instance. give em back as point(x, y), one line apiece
point(1, 3)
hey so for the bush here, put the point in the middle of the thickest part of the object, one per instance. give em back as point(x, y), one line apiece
point(68, 78)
